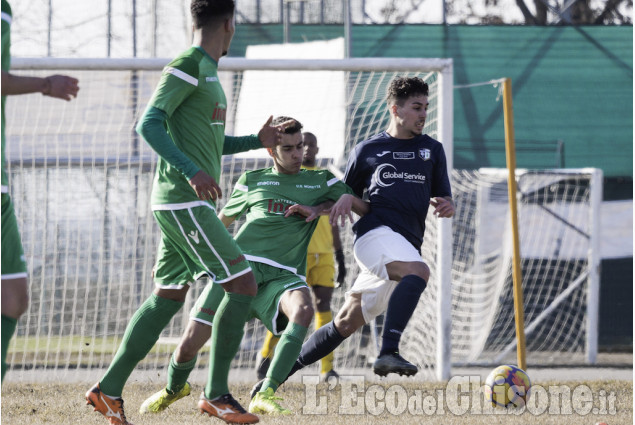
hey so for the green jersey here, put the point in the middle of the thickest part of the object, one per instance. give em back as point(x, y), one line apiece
point(6, 65)
point(191, 95)
point(268, 236)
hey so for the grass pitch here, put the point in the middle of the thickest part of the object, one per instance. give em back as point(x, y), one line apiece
point(338, 404)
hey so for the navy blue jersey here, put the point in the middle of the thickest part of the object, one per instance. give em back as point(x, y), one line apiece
point(400, 176)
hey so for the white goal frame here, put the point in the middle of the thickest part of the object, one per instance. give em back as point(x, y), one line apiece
point(445, 108)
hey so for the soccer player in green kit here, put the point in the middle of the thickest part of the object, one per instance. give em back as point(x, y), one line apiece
point(15, 290)
point(185, 123)
point(280, 203)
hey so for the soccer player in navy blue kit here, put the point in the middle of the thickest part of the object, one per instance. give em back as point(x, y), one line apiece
point(403, 171)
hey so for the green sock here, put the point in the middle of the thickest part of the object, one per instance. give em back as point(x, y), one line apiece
point(286, 354)
point(227, 333)
point(178, 374)
point(8, 328)
point(142, 333)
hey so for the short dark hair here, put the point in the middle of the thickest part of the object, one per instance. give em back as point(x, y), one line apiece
point(206, 11)
point(401, 88)
point(292, 129)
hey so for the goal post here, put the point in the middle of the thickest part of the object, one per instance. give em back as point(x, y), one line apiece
point(80, 177)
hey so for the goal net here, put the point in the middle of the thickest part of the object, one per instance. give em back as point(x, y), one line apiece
point(81, 177)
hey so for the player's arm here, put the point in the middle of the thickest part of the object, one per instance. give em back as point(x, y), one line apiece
point(339, 255)
point(441, 189)
point(225, 219)
point(443, 206)
point(343, 207)
point(311, 212)
point(267, 137)
point(152, 128)
point(57, 86)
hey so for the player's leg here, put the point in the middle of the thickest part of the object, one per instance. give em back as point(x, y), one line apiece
point(324, 315)
point(412, 278)
point(327, 338)
point(144, 328)
point(266, 353)
point(320, 278)
point(227, 333)
point(142, 332)
point(15, 293)
point(297, 306)
point(208, 249)
point(283, 304)
point(183, 360)
point(389, 255)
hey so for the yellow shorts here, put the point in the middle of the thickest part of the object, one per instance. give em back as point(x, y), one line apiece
point(320, 270)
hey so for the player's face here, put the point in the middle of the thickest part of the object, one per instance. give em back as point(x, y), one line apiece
point(310, 150)
point(411, 116)
point(230, 29)
point(287, 155)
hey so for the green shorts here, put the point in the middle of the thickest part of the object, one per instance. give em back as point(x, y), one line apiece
point(13, 261)
point(273, 282)
point(194, 243)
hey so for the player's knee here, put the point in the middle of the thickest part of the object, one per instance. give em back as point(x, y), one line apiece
point(419, 269)
point(303, 314)
point(348, 321)
point(15, 298)
point(22, 304)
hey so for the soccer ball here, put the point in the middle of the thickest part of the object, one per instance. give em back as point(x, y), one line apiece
point(507, 386)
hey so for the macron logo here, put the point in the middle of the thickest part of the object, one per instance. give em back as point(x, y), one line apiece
point(383, 153)
point(194, 235)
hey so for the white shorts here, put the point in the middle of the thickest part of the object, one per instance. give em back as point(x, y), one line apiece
point(373, 251)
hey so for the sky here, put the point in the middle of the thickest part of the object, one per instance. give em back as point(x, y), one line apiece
point(81, 28)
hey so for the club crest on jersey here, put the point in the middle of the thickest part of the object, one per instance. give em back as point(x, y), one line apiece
point(424, 154)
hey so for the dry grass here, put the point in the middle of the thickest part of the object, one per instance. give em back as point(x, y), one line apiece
point(35, 404)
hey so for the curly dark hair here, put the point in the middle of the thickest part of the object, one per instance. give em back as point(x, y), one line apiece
point(205, 11)
point(292, 129)
point(401, 88)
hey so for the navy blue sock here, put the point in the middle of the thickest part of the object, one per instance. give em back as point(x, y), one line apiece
point(321, 342)
point(401, 305)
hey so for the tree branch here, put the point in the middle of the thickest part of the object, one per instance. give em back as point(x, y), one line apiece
point(529, 18)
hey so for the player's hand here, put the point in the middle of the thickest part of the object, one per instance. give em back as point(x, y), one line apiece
point(61, 87)
point(311, 213)
point(205, 186)
point(341, 210)
point(270, 135)
point(341, 267)
point(443, 207)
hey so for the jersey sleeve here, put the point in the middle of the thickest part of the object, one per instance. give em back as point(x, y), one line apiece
point(178, 81)
point(336, 187)
point(441, 181)
point(354, 176)
point(234, 144)
point(238, 202)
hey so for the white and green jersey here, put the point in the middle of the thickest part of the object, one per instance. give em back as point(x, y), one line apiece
point(264, 195)
point(6, 65)
point(191, 95)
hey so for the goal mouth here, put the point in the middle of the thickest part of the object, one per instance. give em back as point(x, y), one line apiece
point(80, 178)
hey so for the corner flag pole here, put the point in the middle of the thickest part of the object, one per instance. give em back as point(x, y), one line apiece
point(510, 152)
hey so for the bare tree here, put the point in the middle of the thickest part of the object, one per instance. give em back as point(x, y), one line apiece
point(576, 12)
